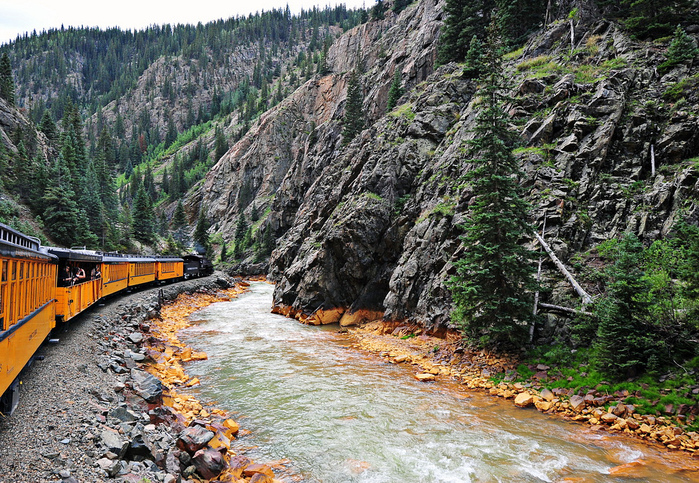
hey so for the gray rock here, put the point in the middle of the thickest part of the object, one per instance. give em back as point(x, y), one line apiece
point(136, 337)
point(124, 414)
point(147, 386)
point(114, 443)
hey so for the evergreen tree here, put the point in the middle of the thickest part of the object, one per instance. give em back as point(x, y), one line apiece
point(91, 203)
point(378, 11)
point(625, 341)
point(241, 229)
point(654, 19)
point(474, 59)
point(518, 18)
point(7, 83)
point(683, 48)
point(224, 252)
point(494, 277)
point(60, 212)
point(178, 218)
point(220, 144)
point(48, 127)
point(400, 5)
point(201, 232)
point(354, 108)
point(143, 217)
point(395, 92)
point(463, 20)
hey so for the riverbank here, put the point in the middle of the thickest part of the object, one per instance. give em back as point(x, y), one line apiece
point(87, 409)
point(444, 358)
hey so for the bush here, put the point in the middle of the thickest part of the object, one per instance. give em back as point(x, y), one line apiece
point(682, 49)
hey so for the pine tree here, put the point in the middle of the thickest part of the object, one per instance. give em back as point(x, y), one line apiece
point(91, 202)
point(683, 48)
point(143, 218)
point(48, 127)
point(354, 108)
point(492, 287)
point(400, 5)
point(241, 229)
point(201, 231)
point(224, 252)
point(474, 59)
point(178, 218)
point(395, 91)
point(378, 11)
point(625, 342)
point(60, 212)
point(220, 145)
point(7, 83)
point(464, 19)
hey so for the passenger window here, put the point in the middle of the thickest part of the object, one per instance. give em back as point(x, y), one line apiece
point(4, 270)
point(14, 270)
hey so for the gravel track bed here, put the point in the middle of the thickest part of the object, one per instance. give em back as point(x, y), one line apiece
point(68, 399)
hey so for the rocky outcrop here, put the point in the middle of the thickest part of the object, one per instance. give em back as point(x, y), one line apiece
point(370, 230)
point(273, 166)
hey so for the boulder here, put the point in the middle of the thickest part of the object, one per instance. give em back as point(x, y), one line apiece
point(619, 410)
point(577, 403)
point(136, 337)
point(209, 463)
point(609, 418)
point(111, 467)
point(261, 478)
point(146, 385)
point(237, 464)
point(425, 377)
point(114, 442)
point(547, 395)
point(524, 399)
point(194, 438)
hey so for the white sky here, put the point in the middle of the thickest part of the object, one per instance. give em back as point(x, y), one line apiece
point(19, 16)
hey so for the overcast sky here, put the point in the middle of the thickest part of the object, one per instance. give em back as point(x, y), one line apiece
point(19, 16)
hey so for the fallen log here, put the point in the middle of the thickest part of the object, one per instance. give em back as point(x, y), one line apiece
point(568, 310)
point(586, 299)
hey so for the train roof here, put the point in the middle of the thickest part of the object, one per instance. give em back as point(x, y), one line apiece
point(18, 245)
point(169, 259)
point(72, 255)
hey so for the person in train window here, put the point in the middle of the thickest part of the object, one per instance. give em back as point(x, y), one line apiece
point(80, 275)
point(95, 274)
point(66, 277)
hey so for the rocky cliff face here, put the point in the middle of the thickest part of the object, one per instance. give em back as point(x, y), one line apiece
point(370, 230)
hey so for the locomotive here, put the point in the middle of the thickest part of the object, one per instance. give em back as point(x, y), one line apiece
point(41, 287)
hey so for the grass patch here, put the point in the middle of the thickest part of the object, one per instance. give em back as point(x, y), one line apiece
point(534, 62)
point(404, 110)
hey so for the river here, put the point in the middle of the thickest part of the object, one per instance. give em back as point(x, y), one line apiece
point(334, 414)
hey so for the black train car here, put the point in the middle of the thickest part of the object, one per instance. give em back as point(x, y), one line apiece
point(197, 266)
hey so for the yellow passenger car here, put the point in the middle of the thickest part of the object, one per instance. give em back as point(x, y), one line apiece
point(114, 273)
point(27, 307)
point(78, 283)
point(170, 268)
point(141, 270)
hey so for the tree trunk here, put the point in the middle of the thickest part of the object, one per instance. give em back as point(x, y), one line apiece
point(565, 309)
point(584, 295)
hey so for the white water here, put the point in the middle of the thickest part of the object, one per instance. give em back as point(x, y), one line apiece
point(339, 415)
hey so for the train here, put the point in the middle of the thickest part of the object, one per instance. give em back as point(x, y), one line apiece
point(42, 287)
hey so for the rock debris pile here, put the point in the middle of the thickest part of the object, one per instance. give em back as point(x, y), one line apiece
point(90, 411)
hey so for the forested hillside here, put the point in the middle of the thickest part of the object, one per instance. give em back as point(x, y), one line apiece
point(115, 106)
point(352, 155)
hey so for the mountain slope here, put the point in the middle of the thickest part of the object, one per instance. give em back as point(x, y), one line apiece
point(371, 229)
